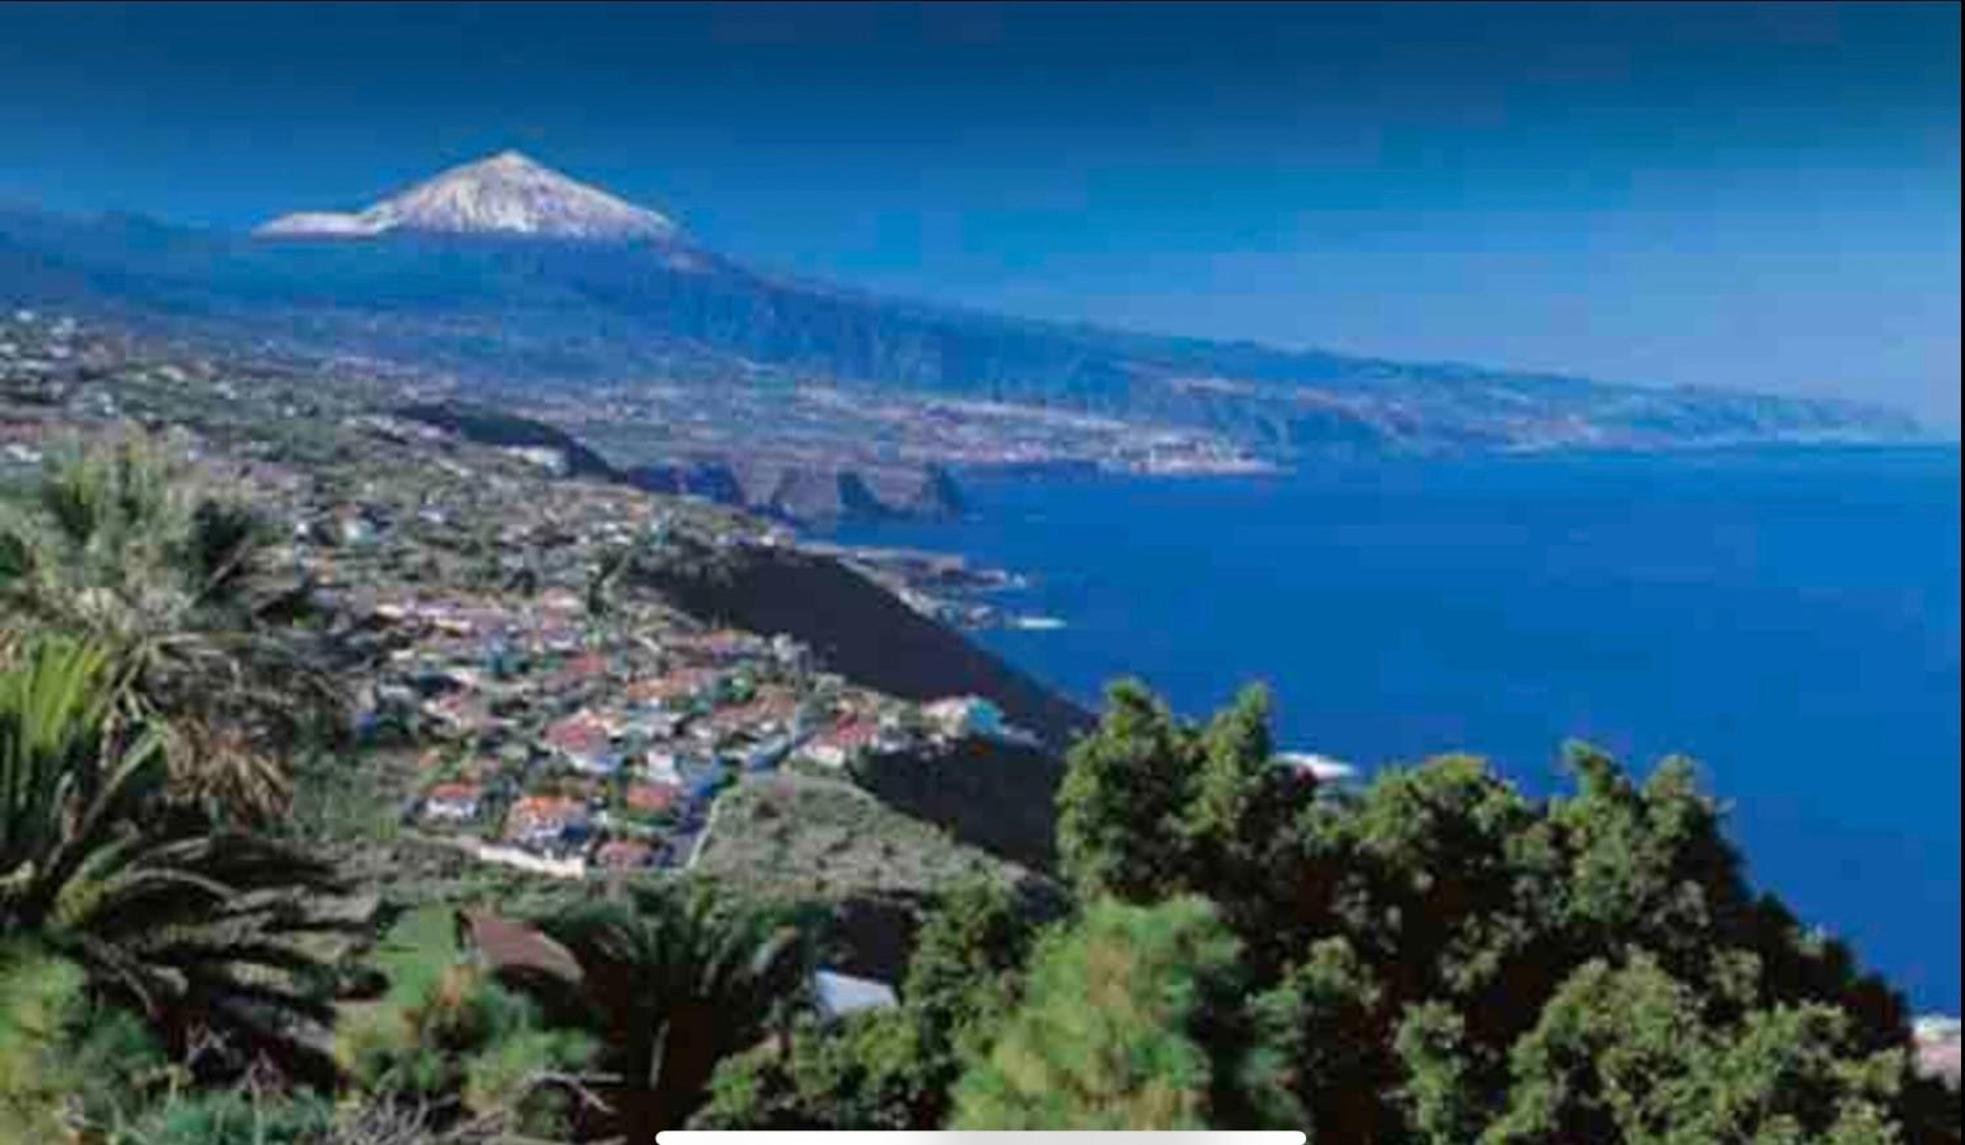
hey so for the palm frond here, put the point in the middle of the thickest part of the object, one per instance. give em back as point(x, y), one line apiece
point(160, 908)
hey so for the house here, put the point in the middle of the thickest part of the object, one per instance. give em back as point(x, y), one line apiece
point(583, 668)
point(652, 798)
point(389, 613)
point(449, 621)
point(663, 764)
point(584, 742)
point(649, 724)
point(774, 710)
point(452, 803)
point(791, 654)
point(840, 994)
point(354, 525)
point(515, 953)
point(839, 745)
point(722, 646)
point(460, 713)
point(762, 718)
point(676, 689)
point(558, 638)
point(547, 820)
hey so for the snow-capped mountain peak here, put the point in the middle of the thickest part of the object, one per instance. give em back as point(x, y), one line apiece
point(506, 194)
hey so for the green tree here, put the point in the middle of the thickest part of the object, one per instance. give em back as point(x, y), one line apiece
point(1133, 1019)
point(1236, 756)
point(867, 1070)
point(1622, 1053)
point(966, 969)
point(1442, 1103)
point(1323, 1022)
point(1432, 957)
point(1151, 807)
point(1123, 798)
point(1239, 828)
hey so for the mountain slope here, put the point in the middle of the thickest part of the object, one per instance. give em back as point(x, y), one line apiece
point(503, 270)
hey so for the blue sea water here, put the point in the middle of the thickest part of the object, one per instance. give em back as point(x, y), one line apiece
point(1788, 618)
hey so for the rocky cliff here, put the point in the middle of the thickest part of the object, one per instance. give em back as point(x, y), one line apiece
point(804, 490)
point(856, 628)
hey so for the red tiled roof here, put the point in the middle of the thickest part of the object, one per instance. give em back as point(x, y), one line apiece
point(455, 792)
point(852, 733)
point(578, 733)
point(541, 809)
point(652, 796)
point(672, 685)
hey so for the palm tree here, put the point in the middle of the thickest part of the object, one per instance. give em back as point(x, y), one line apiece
point(195, 927)
point(676, 980)
point(121, 546)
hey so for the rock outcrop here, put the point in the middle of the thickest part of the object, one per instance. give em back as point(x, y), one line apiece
point(857, 629)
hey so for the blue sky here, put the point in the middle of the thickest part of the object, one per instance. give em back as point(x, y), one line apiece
point(1754, 196)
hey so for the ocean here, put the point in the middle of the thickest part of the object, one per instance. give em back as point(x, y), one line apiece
point(1789, 618)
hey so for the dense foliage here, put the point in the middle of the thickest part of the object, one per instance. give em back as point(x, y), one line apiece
point(1436, 957)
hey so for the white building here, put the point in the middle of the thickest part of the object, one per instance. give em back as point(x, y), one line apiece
point(452, 803)
point(841, 994)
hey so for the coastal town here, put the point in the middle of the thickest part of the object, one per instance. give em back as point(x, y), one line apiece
point(561, 720)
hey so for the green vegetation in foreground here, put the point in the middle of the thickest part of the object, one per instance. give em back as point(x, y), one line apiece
point(1434, 958)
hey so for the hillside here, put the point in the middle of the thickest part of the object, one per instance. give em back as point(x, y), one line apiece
point(998, 797)
point(855, 628)
point(875, 865)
